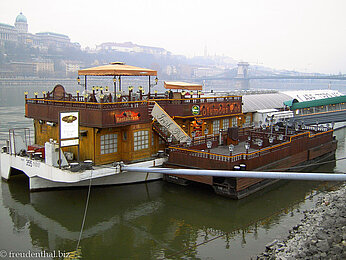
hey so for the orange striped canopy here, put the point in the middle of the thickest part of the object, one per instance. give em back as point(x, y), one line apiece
point(117, 69)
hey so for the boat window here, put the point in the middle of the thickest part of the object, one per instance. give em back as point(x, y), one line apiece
point(140, 140)
point(234, 121)
point(247, 120)
point(109, 143)
point(216, 127)
point(225, 123)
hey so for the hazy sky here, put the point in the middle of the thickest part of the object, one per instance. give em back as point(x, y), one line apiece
point(305, 35)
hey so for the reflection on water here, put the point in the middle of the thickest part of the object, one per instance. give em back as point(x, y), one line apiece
point(146, 221)
point(154, 220)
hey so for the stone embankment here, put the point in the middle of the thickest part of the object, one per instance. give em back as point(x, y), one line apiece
point(320, 235)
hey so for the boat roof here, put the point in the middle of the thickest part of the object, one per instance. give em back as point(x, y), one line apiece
point(117, 69)
point(319, 102)
point(308, 95)
point(181, 85)
point(256, 102)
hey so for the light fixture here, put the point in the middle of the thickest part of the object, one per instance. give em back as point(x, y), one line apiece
point(260, 142)
point(271, 139)
point(209, 144)
point(78, 80)
point(156, 80)
point(114, 79)
point(296, 127)
point(231, 148)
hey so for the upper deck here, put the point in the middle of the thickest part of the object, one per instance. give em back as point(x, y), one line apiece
point(104, 109)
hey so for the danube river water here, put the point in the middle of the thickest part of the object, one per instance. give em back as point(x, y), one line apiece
point(156, 220)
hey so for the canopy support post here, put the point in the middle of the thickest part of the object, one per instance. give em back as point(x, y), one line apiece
point(115, 85)
point(149, 89)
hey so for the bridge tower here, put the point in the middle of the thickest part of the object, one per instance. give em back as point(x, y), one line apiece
point(242, 76)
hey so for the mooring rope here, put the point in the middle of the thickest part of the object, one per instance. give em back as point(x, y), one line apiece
point(85, 210)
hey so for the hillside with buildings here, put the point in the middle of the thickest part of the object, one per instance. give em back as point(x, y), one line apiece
point(50, 54)
point(53, 55)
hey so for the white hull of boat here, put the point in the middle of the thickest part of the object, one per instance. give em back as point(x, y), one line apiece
point(43, 176)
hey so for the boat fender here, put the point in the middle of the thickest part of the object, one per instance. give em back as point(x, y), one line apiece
point(236, 168)
point(4, 149)
point(242, 167)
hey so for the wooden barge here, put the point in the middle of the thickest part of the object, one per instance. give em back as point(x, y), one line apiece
point(131, 124)
point(136, 126)
point(278, 150)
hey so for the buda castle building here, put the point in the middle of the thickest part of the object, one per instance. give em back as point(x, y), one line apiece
point(19, 34)
point(40, 65)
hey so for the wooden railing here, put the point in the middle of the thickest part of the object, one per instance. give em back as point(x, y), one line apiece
point(174, 107)
point(201, 159)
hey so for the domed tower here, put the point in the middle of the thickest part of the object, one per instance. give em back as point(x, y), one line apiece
point(21, 23)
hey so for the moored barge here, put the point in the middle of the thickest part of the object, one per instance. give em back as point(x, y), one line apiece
point(78, 138)
point(262, 149)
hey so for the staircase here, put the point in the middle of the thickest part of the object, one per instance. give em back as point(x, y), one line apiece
point(167, 122)
point(150, 108)
point(158, 130)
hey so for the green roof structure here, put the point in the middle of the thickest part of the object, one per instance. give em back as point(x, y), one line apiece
point(316, 103)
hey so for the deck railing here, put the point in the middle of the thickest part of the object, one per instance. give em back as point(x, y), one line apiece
point(203, 159)
point(48, 108)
